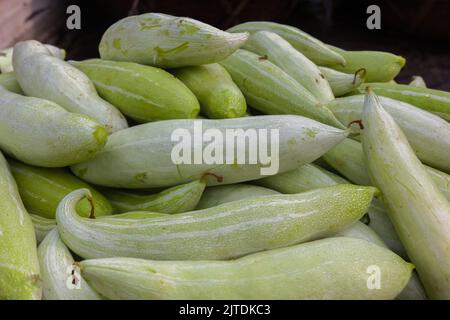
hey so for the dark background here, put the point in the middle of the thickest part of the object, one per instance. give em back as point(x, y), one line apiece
point(419, 30)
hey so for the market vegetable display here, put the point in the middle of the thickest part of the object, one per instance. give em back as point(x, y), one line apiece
point(188, 162)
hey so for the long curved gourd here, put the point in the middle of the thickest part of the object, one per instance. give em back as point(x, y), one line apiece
point(43, 76)
point(140, 157)
point(40, 132)
point(41, 190)
point(418, 210)
point(428, 134)
point(334, 268)
point(281, 53)
point(143, 93)
point(19, 265)
point(227, 231)
point(166, 41)
point(270, 90)
point(58, 274)
point(314, 49)
point(6, 65)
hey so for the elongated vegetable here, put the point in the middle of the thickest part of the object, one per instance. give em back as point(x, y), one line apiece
point(334, 268)
point(414, 289)
point(304, 178)
point(141, 92)
point(6, 55)
point(314, 49)
point(44, 76)
point(41, 190)
point(19, 265)
point(418, 210)
point(218, 95)
point(177, 199)
point(418, 81)
point(431, 100)
point(166, 41)
point(9, 82)
point(380, 66)
point(342, 83)
point(59, 277)
point(42, 226)
point(40, 132)
point(428, 134)
point(214, 196)
point(270, 90)
point(227, 231)
point(281, 53)
point(143, 156)
point(348, 159)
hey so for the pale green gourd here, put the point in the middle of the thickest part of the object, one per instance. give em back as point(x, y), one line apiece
point(314, 49)
point(419, 211)
point(166, 41)
point(143, 93)
point(218, 95)
point(223, 232)
point(57, 265)
point(19, 265)
point(334, 268)
point(140, 157)
point(43, 76)
point(42, 133)
point(270, 90)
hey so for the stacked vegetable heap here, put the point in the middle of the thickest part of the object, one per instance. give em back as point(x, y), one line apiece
point(359, 208)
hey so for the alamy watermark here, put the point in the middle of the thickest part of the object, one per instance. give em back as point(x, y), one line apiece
point(374, 20)
point(228, 146)
point(374, 279)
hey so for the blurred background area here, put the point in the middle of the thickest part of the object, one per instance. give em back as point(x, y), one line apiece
point(419, 30)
